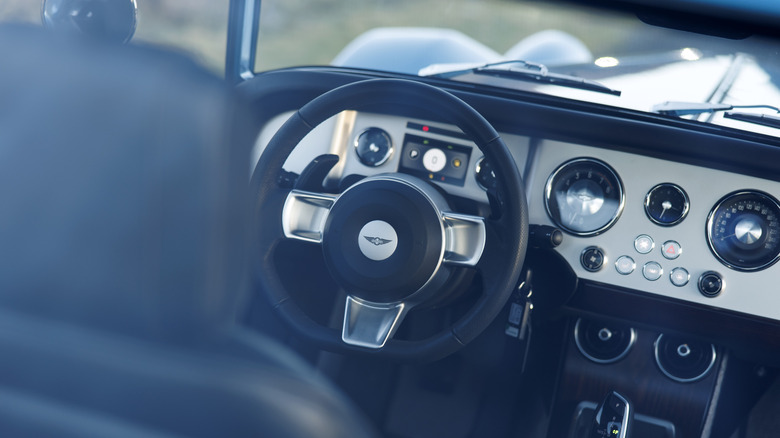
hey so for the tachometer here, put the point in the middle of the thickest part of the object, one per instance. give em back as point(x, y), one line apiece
point(743, 230)
point(584, 196)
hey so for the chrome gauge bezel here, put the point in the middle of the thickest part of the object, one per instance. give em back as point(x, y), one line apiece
point(711, 217)
point(548, 195)
point(686, 207)
point(390, 148)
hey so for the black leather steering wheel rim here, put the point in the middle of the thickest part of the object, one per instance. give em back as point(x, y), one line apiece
point(507, 229)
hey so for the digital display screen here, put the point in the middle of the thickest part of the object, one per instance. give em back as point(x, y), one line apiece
point(435, 160)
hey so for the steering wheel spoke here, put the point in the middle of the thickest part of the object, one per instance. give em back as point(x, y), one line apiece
point(304, 215)
point(370, 325)
point(464, 239)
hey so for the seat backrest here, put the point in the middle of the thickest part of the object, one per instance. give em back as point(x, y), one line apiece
point(123, 198)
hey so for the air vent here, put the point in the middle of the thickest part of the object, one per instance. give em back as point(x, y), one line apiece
point(684, 360)
point(603, 342)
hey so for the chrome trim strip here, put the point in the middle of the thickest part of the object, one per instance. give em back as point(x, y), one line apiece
point(246, 44)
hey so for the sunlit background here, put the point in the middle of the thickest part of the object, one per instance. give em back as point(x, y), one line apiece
point(313, 32)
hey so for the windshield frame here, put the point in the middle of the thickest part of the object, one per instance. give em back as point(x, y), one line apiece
point(243, 29)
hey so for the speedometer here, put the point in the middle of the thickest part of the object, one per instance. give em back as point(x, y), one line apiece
point(743, 230)
point(584, 196)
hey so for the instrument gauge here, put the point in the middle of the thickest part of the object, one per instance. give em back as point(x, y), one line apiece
point(584, 196)
point(373, 147)
point(486, 176)
point(743, 230)
point(666, 204)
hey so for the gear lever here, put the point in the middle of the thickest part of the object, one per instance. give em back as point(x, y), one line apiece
point(613, 417)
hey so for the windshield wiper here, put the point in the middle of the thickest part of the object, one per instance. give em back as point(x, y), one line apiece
point(524, 71)
point(695, 108)
point(758, 119)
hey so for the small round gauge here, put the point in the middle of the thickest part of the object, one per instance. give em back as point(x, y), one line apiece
point(373, 146)
point(666, 204)
point(584, 196)
point(743, 230)
point(486, 177)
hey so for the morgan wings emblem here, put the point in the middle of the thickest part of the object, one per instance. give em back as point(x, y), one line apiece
point(377, 240)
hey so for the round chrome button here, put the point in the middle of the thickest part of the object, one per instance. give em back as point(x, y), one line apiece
point(679, 277)
point(434, 160)
point(652, 271)
point(377, 240)
point(625, 265)
point(643, 244)
point(592, 258)
point(671, 250)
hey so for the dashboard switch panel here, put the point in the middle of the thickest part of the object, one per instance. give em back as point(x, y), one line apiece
point(435, 160)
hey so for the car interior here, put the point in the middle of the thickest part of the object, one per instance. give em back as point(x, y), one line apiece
point(346, 251)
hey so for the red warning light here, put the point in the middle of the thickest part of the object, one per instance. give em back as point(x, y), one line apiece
point(425, 128)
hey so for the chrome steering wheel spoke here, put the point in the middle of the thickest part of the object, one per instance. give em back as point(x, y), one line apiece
point(464, 239)
point(370, 325)
point(304, 215)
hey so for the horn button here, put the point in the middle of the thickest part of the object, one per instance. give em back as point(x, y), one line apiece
point(384, 238)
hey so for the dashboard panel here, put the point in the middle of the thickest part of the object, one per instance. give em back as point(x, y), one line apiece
point(645, 247)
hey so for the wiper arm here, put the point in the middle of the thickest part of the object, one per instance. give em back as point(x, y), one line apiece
point(758, 119)
point(695, 108)
point(528, 71)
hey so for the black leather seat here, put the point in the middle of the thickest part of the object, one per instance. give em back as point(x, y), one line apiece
point(123, 211)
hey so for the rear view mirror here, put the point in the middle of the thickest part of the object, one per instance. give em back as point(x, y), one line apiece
point(112, 20)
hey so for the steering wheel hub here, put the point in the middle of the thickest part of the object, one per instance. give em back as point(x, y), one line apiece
point(383, 240)
point(379, 240)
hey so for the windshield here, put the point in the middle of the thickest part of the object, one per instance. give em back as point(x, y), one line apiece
point(648, 64)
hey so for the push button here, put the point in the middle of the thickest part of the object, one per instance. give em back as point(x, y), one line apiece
point(710, 284)
point(652, 271)
point(679, 277)
point(434, 160)
point(625, 265)
point(592, 258)
point(644, 244)
point(671, 249)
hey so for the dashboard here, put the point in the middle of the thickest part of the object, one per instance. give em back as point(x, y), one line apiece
point(667, 228)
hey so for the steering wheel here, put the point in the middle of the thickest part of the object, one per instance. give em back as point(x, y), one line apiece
point(390, 241)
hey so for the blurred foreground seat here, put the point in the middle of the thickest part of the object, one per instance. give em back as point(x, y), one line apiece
point(123, 184)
